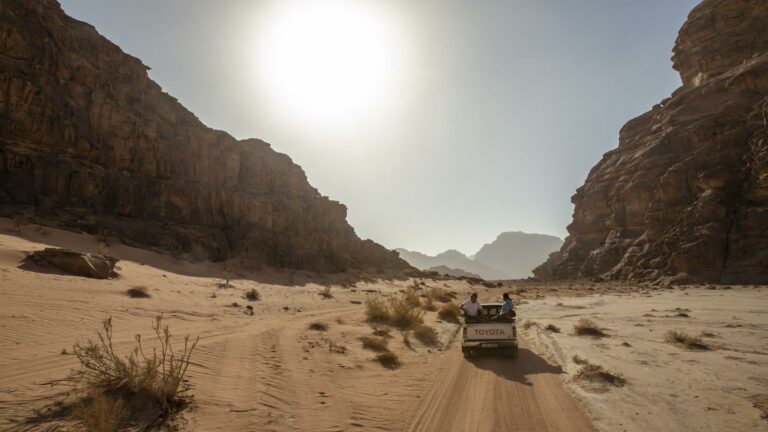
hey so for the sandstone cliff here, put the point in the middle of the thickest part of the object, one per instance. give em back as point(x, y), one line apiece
point(88, 141)
point(685, 195)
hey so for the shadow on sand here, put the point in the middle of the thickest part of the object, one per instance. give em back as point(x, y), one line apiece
point(516, 369)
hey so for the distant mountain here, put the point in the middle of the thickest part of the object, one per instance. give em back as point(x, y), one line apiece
point(451, 259)
point(452, 271)
point(517, 253)
point(511, 256)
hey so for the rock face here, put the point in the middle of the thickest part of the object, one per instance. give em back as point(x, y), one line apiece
point(517, 253)
point(88, 141)
point(685, 195)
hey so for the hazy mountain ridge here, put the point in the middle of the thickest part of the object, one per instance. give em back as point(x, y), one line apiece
point(512, 255)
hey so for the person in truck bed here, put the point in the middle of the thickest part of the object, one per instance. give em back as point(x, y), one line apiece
point(507, 308)
point(472, 308)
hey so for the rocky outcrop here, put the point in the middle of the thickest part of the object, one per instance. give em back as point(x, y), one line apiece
point(516, 253)
point(88, 141)
point(75, 263)
point(685, 195)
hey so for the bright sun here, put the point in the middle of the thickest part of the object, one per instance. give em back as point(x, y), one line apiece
point(328, 62)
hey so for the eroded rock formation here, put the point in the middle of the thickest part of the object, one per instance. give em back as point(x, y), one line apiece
point(89, 141)
point(684, 197)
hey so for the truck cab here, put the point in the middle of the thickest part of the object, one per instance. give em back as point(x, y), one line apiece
point(489, 333)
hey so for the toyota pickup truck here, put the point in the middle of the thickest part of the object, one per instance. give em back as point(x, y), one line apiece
point(487, 334)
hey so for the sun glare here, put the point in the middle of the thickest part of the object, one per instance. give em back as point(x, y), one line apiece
point(328, 62)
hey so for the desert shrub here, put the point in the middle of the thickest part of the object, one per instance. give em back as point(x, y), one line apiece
point(403, 315)
point(553, 328)
point(587, 327)
point(441, 295)
point(449, 312)
point(336, 348)
point(429, 303)
point(411, 299)
point(530, 323)
point(326, 293)
point(376, 310)
point(111, 381)
point(426, 335)
point(376, 344)
point(389, 360)
point(682, 338)
point(579, 360)
point(252, 295)
point(318, 326)
point(138, 292)
point(382, 331)
point(596, 373)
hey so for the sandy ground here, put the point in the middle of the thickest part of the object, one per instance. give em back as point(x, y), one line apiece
point(669, 387)
point(262, 372)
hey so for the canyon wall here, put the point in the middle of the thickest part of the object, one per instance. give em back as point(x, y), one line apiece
point(684, 197)
point(88, 141)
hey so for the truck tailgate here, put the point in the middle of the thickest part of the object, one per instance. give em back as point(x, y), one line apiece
point(489, 331)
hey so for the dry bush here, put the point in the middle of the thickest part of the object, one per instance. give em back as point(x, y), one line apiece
point(336, 348)
point(579, 360)
point(587, 327)
point(375, 344)
point(441, 295)
point(429, 303)
point(111, 381)
point(449, 312)
point(426, 335)
point(326, 293)
point(376, 310)
point(99, 412)
point(138, 292)
point(553, 328)
point(404, 315)
point(394, 312)
point(252, 295)
point(411, 299)
point(382, 331)
point(596, 373)
point(389, 360)
point(318, 326)
point(682, 338)
point(530, 323)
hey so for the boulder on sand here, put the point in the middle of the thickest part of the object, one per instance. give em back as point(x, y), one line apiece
point(76, 263)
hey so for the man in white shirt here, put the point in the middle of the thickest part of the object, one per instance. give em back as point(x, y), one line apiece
point(472, 308)
point(507, 307)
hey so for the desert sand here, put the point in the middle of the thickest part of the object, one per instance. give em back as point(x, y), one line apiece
point(270, 372)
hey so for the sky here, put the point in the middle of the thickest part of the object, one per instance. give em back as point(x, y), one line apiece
point(439, 123)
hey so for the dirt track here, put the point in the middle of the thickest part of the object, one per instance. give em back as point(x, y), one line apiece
point(498, 394)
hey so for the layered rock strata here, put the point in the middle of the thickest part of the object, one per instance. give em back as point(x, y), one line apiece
point(89, 141)
point(684, 197)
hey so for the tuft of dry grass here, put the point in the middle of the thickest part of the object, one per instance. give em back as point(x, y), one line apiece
point(682, 338)
point(411, 298)
point(553, 328)
point(579, 360)
point(336, 348)
point(318, 326)
point(138, 292)
point(441, 295)
point(587, 327)
point(326, 293)
point(112, 381)
point(449, 312)
point(395, 312)
point(382, 331)
point(252, 295)
point(530, 323)
point(426, 335)
point(375, 344)
point(389, 360)
point(596, 373)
